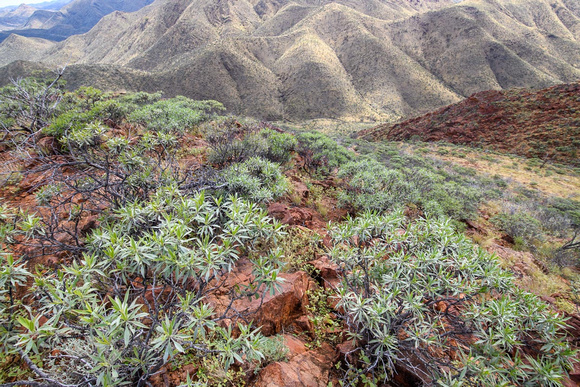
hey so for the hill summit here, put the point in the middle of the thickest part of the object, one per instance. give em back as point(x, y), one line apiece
point(543, 123)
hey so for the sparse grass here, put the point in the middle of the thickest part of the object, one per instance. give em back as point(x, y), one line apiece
point(299, 246)
point(535, 280)
point(503, 166)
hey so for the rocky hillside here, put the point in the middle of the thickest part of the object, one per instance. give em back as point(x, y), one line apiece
point(341, 59)
point(77, 17)
point(150, 241)
point(543, 123)
point(15, 18)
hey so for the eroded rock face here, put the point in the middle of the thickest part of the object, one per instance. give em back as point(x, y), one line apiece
point(284, 309)
point(292, 215)
point(307, 369)
point(329, 272)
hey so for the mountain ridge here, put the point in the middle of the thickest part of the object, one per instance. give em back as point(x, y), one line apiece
point(73, 18)
point(355, 60)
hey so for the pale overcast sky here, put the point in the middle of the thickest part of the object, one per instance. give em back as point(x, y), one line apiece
point(4, 3)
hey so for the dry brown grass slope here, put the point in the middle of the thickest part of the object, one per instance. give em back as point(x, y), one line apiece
point(17, 47)
point(348, 59)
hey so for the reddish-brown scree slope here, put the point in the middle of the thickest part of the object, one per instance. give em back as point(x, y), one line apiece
point(534, 123)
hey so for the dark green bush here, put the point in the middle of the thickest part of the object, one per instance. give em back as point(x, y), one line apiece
point(568, 207)
point(279, 145)
point(321, 154)
point(232, 140)
point(140, 98)
point(29, 104)
point(371, 185)
point(521, 226)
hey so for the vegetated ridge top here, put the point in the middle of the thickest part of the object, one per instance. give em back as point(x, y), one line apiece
point(533, 123)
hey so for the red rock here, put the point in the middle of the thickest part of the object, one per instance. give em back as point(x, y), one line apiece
point(295, 345)
point(326, 268)
point(346, 350)
point(441, 306)
point(88, 223)
point(277, 312)
point(302, 324)
point(549, 300)
point(282, 309)
point(308, 369)
point(300, 189)
point(328, 272)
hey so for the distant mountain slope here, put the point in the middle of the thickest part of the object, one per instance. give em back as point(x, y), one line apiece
point(76, 17)
point(543, 123)
point(350, 59)
point(54, 5)
point(15, 18)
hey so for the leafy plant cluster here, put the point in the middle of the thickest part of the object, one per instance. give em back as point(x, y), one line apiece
point(321, 154)
point(390, 177)
point(377, 186)
point(177, 114)
point(258, 179)
point(525, 230)
point(140, 293)
point(232, 141)
point(418, 296)
point(547, 226)
point(115, 149)
point(326, 327)
point(127, 298)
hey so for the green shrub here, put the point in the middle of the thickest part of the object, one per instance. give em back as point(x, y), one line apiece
point(371, 185)
point(232, 141)
point(279, 145)
point(140, 98)
point(175, 115)
point(70, 120)
point(568, 207)
point(29, 104)
point(325, 327)
point(321, 154)
point(139, 294)
point(416, 295)
point(299, 246)
point(257, 179)
point(45, 194)
point(85, 106)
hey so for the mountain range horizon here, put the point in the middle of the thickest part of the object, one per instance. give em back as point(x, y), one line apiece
point(354, 60)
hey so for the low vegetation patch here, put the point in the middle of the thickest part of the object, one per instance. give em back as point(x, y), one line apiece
point(417, 293)
point(135, 241)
